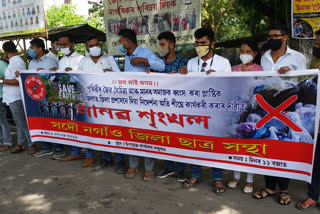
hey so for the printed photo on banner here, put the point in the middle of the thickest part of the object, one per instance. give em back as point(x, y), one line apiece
point(159, 23)
point(184, 20)
point(302, 29)
point(138, 24)
point(114, 26)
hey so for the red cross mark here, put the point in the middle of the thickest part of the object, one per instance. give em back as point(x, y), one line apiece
point(276, 112)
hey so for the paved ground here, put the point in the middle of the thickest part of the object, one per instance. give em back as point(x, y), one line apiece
point(31, 185)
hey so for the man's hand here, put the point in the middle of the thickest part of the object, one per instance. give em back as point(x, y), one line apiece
point(68, 69)
point(54, 69)
point(148, 71)
point(284, 70)
point(172, 72)
point(17, 73)
point(139, 60)
point(244, 67)
point(106, 70)
point(39, 69)
point(183, 70)
point(210, 71)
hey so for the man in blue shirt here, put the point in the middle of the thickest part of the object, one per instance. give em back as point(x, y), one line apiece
point(138, 60)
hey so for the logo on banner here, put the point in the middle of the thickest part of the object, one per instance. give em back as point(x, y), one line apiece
point(35, 88)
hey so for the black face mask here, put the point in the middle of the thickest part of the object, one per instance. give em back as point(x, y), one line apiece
point(275, 44)
point(316, 52)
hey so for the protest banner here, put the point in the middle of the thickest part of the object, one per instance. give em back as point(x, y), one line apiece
point(148, 19)
point(256, 122)
point(18, 17)
point(305, 18)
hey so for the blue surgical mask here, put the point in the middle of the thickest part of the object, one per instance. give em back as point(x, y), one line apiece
point(121, 49)
point(31, 53)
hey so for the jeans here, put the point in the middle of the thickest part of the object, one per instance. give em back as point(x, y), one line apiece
point(108, 156)
point(169, 166)
point(6, 137)
point(19, 118)
point(48, 146)
point(313, 188)
point(134, 162)
point(77, 151)
point(216, 174)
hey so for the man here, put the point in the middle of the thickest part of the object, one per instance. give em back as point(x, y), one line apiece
point(55, 48)
point(11, 95)
point(69, 63)
point(5, 133)
point(313, 188)
point(41, 62)
point(173, 62)
point(282, 59)
point(138, 60)
point(209, 62)
point(98, 61)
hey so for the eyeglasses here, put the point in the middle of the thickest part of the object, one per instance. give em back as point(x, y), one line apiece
point(204, 65)
point(274, 36)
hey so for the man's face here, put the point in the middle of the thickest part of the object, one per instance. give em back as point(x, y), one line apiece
point(55, 44)
point(123, 41)
point(276, 34)
point(93, 43)
point(37, 51)
point(204, 41)
point(317, 42)
point(163, 44)
point(64, 42)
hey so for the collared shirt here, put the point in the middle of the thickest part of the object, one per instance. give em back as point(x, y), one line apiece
point(293, 59)
point(175, 64)
point(11, 93)
point(71, 61)
point(155, 62)
point(87, 64)
point(216, 63)
point(53, 56)
point(3, 67)
point(44, 62)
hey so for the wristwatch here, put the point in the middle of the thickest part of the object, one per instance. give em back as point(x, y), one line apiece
point(1, 81)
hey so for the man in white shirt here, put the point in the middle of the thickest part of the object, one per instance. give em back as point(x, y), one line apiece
point(11, 95)
point(71, 58)
point(55, 48)
point(207, 61)
point(282, 59)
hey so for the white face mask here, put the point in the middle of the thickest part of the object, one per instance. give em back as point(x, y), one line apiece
point(246, 58)
point(95, 51)
point(65, 51)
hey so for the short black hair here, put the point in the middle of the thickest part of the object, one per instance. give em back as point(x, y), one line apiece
point(282, 28)
point(39, 43)
point(66, 35)
point(54, 39)
point(9, 47)
point(317, 32)
point(169, 36)
point(201, 32)
point(129, 34)
point(90, 37)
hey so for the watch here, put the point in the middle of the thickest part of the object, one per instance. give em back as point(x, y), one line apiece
point(1, 81)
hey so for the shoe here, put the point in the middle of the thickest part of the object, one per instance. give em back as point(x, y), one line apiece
point(232, 184)
point(58, 154)
point(103, 164)
point(88, 162)
point(165, 173)
point(247, 189)
point(43, 152)
point(71, 158)
point(120, 167)
point(181, 177)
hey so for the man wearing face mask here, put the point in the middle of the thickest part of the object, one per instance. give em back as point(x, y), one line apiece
point(138, 60)
point(207, 61)
point(55, 48)
point(71, 58)
point(280, 57)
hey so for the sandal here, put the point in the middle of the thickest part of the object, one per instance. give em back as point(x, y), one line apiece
point(310, 204)
point(148, 176)
point(18, 149)
point(263, 192)
point(4, 148)
point(218, 189)
point(131, 173)
point(283, 195)
point(188, 184)
point(32, 150)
